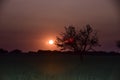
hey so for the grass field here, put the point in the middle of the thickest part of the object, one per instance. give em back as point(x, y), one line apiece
point(59, 67)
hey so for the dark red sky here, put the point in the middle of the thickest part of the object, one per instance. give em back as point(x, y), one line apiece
point(29, 24)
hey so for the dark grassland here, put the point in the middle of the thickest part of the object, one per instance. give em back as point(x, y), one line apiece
point(53, 65)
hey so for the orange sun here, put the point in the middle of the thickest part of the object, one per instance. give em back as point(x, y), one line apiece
point(51, 42)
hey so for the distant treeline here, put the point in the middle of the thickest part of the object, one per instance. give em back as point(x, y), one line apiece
point(39, 52)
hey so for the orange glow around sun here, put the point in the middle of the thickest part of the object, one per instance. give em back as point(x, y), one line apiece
point(51, 42)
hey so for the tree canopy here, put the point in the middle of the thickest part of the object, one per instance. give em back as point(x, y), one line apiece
point(77, 40)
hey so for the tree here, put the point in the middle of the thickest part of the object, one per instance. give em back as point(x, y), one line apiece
point(16, 51)
point(2, 51)
point(78, 41)
point(118, 44)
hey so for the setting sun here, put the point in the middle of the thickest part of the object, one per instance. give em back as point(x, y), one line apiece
point(51, 42)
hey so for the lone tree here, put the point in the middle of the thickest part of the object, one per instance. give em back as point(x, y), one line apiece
point(78, 41)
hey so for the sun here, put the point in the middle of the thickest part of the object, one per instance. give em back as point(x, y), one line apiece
point(51, 42)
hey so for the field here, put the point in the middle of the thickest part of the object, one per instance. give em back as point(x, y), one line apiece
point(59, 66)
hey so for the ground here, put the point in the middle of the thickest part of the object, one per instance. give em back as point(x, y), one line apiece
point(59, 66)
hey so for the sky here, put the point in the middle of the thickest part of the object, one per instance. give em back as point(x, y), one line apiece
point(29, 24)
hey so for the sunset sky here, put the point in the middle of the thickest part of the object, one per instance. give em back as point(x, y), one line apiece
point(29, 24)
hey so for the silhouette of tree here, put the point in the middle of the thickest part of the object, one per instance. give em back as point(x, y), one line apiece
point(78, 41)
point(16, 51)
point(118, 44)
point(2, 51)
